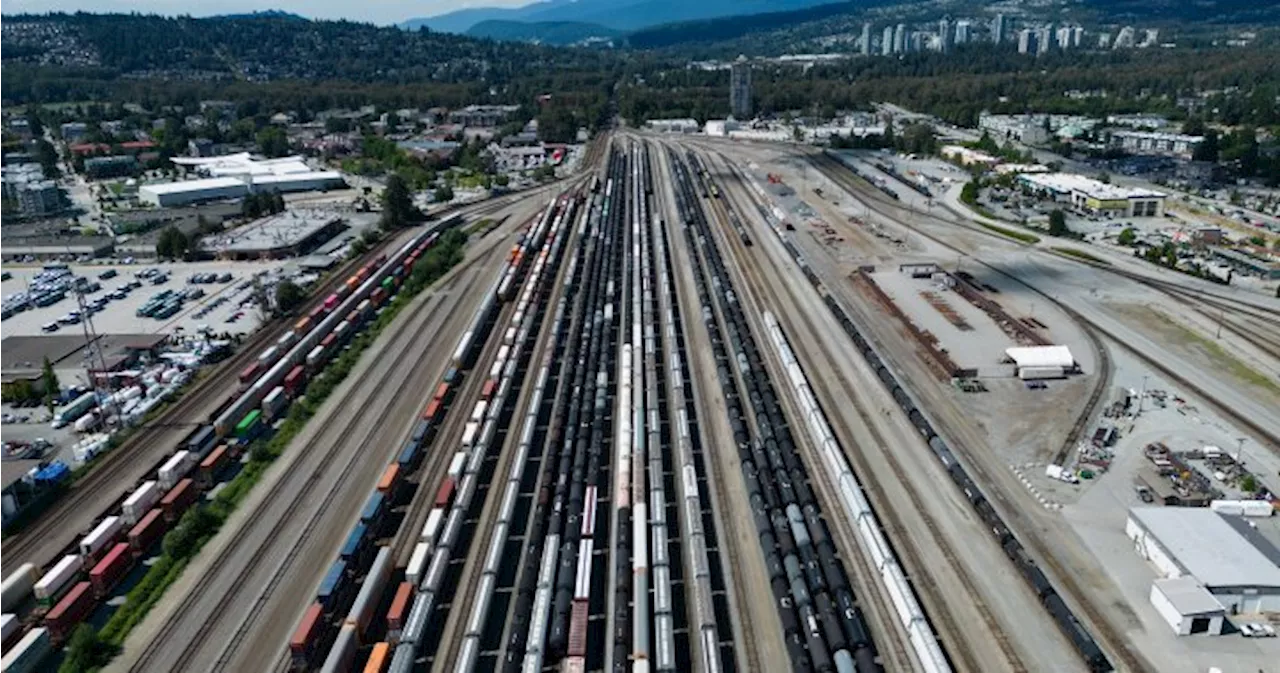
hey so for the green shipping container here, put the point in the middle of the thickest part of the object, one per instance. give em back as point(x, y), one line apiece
point(246, 425)
point(388, 283)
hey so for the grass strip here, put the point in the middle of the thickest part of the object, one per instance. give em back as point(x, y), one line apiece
point(89, 649)
point(1017, 235)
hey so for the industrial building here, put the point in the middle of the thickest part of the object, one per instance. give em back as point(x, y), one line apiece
point(1187, 606)
point(1267, 269)
point(1091, 196)
point(1041, 362)
point(1234, 563)
point(288, 234)
point(968, 157)
point(674, 125)
point(169, 194)
point(1027, 129)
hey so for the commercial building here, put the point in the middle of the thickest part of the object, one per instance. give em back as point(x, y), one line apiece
point(482, 115)
point(1157, 144)
point(946, 39)
point(1234, 563)
point(998, 29)
point(886, 41)
point(740, 88)
point(169, 194)
point(866, 39)
point(110, 167)
point(1268, 269)
point(288, 234)
point(962, 32)
point(674, 125)
point(1026, 129)
point(52, 247)
point(1091, 196)
point(899, 38)
point(1026, 41)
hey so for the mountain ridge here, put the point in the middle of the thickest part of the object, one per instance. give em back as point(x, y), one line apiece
point(618, 15)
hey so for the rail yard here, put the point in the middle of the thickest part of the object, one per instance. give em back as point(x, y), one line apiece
point(706, 406)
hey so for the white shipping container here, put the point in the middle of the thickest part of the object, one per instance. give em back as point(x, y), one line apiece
point(8, 626)
point(1037, 373)
point(1229, 507)
point(140, 502)
point(28, 653)
point(417, 563)
point(174, 469)
point(274, 402)
point(268, 356)
point(455, 466)
point(18, 584)
point(477, 414)
point(1259, 508)
point(55, 579)
point(102, 535)
point(314, 357)
point(469, 434)
point(432, 527)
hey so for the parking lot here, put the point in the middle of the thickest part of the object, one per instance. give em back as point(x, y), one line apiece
point(222, 301)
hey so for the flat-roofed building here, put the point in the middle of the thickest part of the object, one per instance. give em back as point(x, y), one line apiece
point(1187, 606)
point(1234, 562)
point(1158, 144)
point(288, 234)
point(1092, 196)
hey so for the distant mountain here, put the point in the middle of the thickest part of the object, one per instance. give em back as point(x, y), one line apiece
point(545, 32)
point(264, 14)
point(1199, 11)
point(621, 15)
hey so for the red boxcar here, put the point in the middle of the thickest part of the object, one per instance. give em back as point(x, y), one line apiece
point(178, 499)
point(432, 409)
point(70, 611)
point(445, 494)
point(212, 465)
point(303, 643)
point(578, 630)
point(330, 302)
point(489, 387)
point(111, 569)
point(248, 374)
point(441, 391)
point(379, 295)
point(400, 606)
point(328, 340)
point(148, 529)
point(294, 381)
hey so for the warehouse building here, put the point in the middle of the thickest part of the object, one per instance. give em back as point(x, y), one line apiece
point(1187, 606)
point(1099, 198)
point(170, 194)
point(288, 234)
point(1234, 563)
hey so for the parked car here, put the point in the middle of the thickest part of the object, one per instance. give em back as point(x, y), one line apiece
point(108, 274)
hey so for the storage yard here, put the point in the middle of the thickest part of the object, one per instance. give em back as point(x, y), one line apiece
point(706, 406)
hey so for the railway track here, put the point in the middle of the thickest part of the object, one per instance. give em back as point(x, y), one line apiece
point(282, 507)
point(152, 443)
point(1116, 641)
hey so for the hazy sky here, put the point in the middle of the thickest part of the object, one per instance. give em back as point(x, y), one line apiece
point(375, 11)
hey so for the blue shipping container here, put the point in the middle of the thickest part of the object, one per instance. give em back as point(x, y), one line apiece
point(408, 455)
point(420, 431)
point(332, 584)
point(372, 510)
point(354, 542)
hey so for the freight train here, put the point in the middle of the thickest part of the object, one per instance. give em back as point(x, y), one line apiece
point(1076, 633)
point(823, 627)
point(105, 554)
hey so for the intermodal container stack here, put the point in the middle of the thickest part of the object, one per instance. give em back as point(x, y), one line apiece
point(176, 501)
point(212, 466)
point(295, 380)
point(147, 531)
point(250, 426)
point(303, 643)
point(379, 659)
point(111, 569)
point(141, 501)
point(389, 484)
point(70, 611)
point(399, 610)
point(27, 655)
point(59, 578)
point(105, 534)
point(343, 653)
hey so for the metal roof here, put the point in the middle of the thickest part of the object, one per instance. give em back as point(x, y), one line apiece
point(1208, 547)
point(1188, 596)
point(187, 186)
point(1041, 356)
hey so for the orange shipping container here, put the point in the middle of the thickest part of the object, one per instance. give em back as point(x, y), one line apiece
point(432, 408)
point(441, 391)
point(379, 659)
point(390, 478)
point(400, 606)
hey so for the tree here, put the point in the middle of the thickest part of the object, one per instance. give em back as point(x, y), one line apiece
point(1127, 237)
point(1058, 223)
point(1249, 483)
point(1207, 150)
point(86, 651)
point(969, 193)
point(272, 141)
point(289, 296)
point(172, 244)
point(49, 379)
point(397, 204)
point(444, 194)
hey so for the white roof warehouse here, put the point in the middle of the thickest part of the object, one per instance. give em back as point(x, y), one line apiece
point(1089, 195)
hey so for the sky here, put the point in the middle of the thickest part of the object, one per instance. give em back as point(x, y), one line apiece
point(374, 11)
